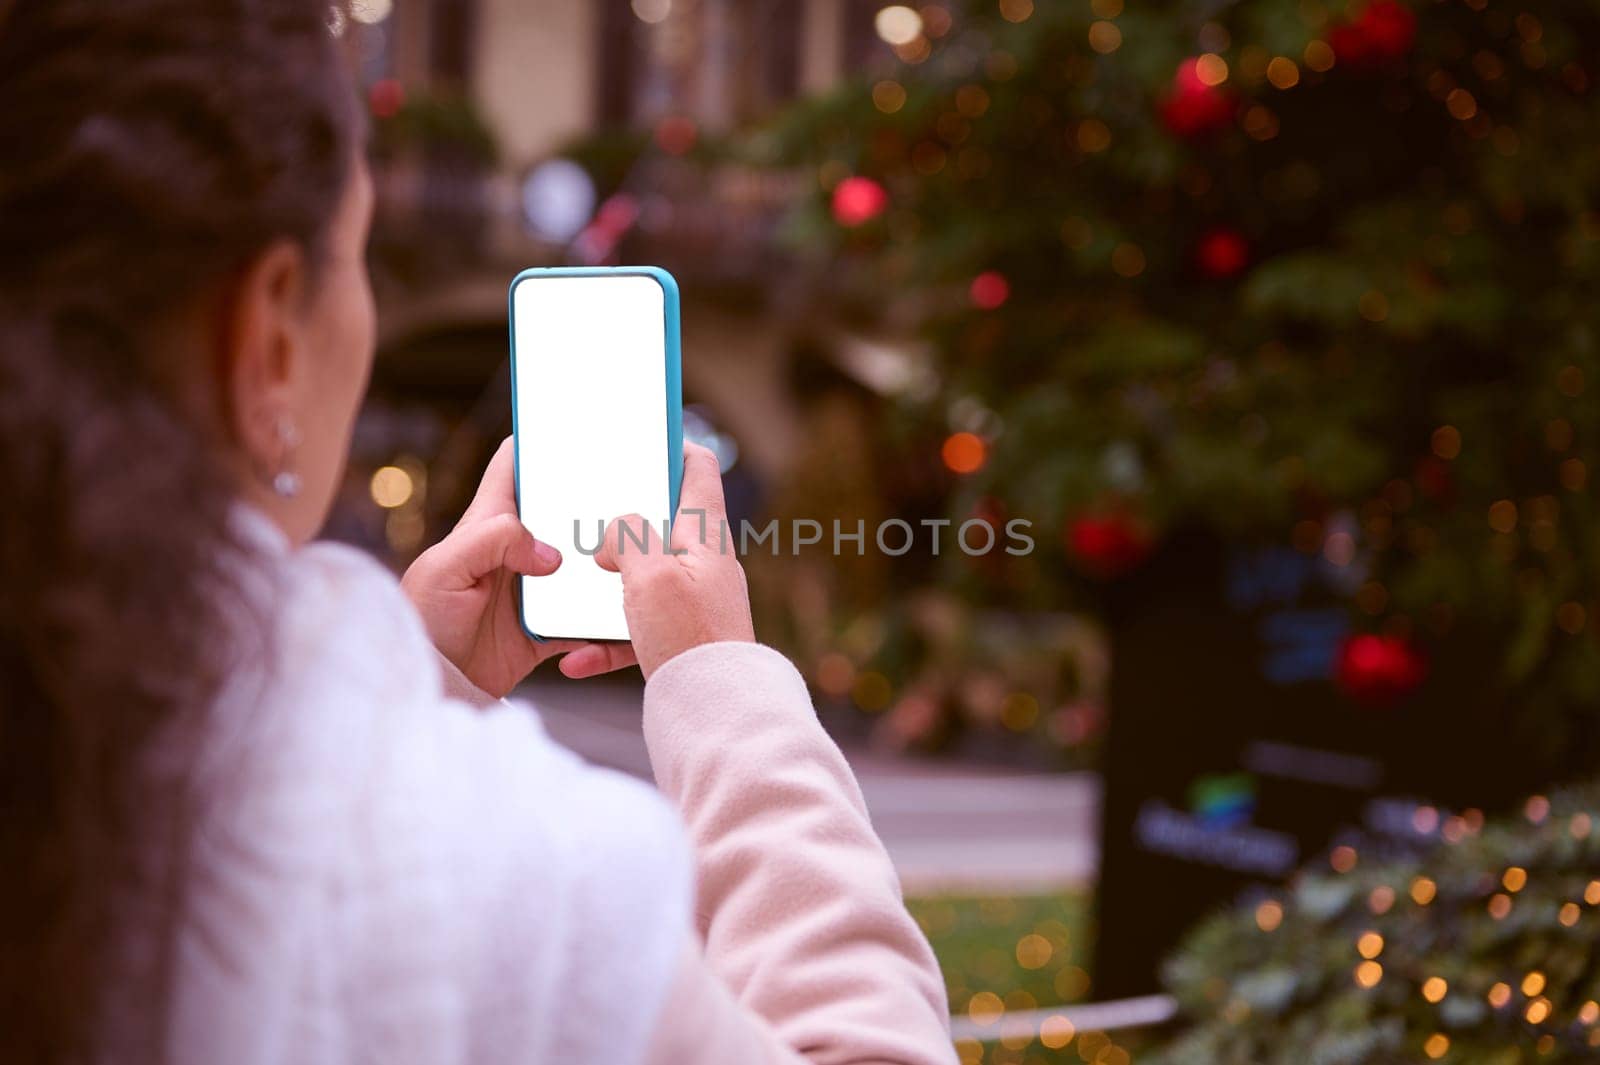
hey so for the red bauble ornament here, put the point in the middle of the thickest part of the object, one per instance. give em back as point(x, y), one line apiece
point(1192, 108)
point(1383, 32)
point(677, 134)
point(1379, 669)
point(1108, 545)
point(990, 290)
point(857, 201)
point(386, 97)
point(1222, 253)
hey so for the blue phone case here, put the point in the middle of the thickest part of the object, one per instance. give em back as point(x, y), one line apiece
point(674, 368)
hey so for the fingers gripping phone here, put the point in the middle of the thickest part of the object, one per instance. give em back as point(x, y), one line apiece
point(597, 417)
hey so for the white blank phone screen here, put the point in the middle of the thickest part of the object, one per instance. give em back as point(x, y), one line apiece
point(591, 398)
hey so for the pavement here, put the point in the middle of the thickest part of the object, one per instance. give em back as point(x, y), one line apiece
point(948, 827)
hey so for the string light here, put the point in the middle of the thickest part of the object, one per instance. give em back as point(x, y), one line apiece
point(1056, 1031)
point(1211, 69)
point(898, 25)
point(1447, 442)
point(1034, 951)
point(1435, 988)
point(1318, 56)
point(1283, 72)
point(888, 96)
point(985, 1008)
point(1381, 899)
point(392, 487)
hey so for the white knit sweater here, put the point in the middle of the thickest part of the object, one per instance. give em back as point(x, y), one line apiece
point(384, 874)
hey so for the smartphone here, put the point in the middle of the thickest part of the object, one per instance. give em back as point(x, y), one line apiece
point(597, 421)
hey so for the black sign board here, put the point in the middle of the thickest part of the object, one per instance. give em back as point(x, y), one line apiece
point(1233, 757)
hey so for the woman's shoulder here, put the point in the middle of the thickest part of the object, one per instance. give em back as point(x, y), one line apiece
point(356, 662)
point(442, 852)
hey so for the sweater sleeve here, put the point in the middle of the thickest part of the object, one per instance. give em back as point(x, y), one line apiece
point(809, 953)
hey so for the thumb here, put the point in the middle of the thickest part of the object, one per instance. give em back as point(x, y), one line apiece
point(477, 549)
point(629, 543)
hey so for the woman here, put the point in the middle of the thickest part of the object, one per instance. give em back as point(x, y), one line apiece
point(261, 803)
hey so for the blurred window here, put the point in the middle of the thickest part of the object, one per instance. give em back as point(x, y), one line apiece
point(454, 28)
point(620, 56)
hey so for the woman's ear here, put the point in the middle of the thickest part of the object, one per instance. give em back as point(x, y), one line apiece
point(262, 358)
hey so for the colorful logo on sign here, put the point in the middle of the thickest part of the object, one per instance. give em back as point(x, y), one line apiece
point(1223, 800)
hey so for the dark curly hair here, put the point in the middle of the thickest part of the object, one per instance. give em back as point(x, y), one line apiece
point(149, 149)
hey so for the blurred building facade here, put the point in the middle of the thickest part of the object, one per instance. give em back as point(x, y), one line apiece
point(470, 98)
point(546, 71)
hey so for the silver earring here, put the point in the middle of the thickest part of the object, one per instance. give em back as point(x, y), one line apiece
point(286, 482)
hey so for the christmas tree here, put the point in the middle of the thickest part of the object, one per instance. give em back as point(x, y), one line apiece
point(1482, 951)
point(1301, 270)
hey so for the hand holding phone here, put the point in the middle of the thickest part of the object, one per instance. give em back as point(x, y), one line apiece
point(690, 590)
point(464, 588)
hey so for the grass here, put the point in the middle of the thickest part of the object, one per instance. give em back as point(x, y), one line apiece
point(1012, 953)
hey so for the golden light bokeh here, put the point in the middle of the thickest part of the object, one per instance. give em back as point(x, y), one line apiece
point(1104, 37)
point(1461, 104)
point(1093, 135)
point(1211, 69)
point(1447, 442)
point(1127, 260)
point(985, 1008)
point(888, 96)
point(1016, 10)
point(1034, 951)
point(1318, 56)
point(392, 487)
point(1055, 1031)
